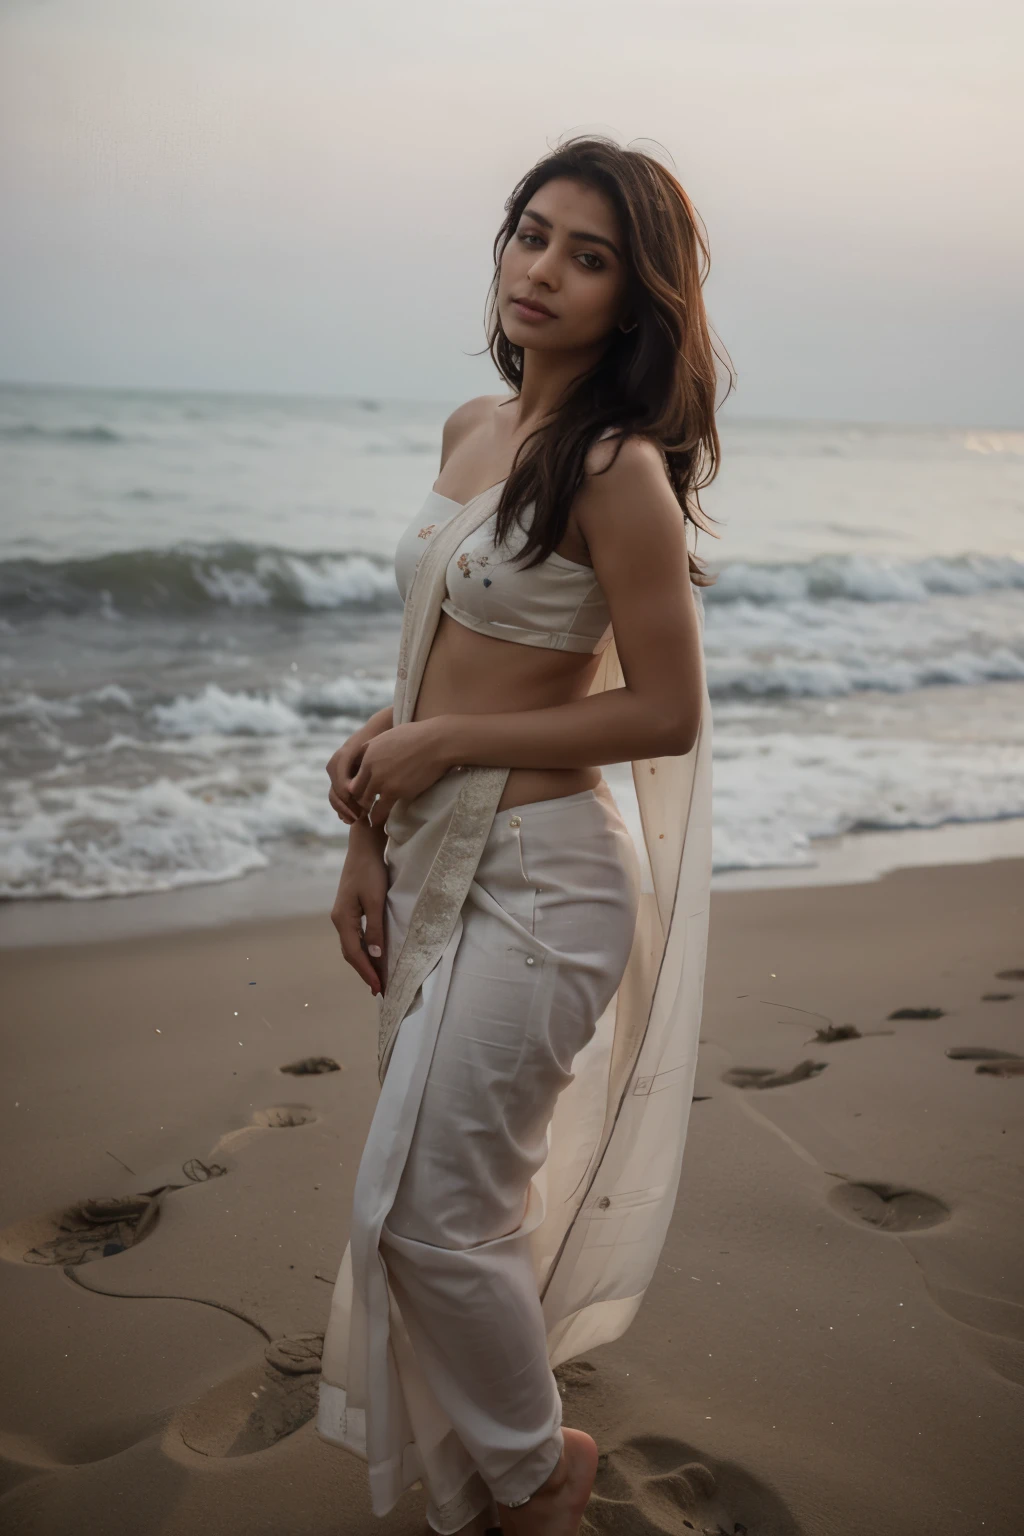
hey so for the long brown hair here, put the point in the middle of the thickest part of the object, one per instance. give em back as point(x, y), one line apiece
point(657, 381)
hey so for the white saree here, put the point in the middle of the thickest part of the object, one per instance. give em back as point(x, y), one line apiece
point(601, 1204)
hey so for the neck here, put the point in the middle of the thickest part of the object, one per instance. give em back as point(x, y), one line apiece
point(547, 378)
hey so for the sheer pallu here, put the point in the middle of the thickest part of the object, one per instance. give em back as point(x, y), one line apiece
point(600, 1206)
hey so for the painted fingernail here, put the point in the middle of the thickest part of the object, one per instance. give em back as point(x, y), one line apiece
point(375, 951)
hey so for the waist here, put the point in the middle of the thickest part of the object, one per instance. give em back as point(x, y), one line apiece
point(426, 817)
point(468, 673)
point(532, 786)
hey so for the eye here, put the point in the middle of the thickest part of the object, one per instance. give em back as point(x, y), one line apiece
point(587, 257)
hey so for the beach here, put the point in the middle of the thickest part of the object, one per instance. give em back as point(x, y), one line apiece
point(833, 1342)
point(198, 605)
point(271, 275)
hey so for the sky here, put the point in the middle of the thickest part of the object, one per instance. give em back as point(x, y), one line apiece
point(301, 197)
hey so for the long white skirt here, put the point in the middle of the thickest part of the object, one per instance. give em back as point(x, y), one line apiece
point(436, 1326)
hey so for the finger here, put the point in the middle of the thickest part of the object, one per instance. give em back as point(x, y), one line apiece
point(349, 813)
point(342, 765)
point(358, 787)
point(344, 810)
point(373, 936)
point(347, 922)
point(337, 768)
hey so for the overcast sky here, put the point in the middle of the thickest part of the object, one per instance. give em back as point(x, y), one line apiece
point(300, 196)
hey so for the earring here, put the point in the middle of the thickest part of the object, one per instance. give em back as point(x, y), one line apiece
point(625, 329)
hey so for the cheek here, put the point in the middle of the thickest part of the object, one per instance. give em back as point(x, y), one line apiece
point(594, 305)
point(515, 262)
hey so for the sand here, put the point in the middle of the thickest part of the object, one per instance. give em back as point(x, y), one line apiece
point(833, 1343)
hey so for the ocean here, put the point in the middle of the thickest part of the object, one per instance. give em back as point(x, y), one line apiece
point(198, 604)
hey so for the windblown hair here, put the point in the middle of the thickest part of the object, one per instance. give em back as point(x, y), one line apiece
point(658, 381)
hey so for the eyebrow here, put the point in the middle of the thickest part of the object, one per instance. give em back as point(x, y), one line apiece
point(574, 234)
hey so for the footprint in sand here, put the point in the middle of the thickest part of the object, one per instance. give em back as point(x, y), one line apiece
point(646, 1486)
point(770, 1077)
point(654, 1485)
point(994, 1062)
point(281, 1116)
point(918, 1013)
point(995, 1326)
point(834, 1032)
point(277, 1117)
point(311, 1065)
point(260, 1406)
point(888, 1207)
point(92, 1229)
point(97, 1228)
point(575, 1376)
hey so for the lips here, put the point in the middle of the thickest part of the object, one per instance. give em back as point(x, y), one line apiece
point(535, 307)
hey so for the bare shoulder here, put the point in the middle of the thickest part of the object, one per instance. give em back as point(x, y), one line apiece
point(627, 493)
point(618, 461)
point(466, 418)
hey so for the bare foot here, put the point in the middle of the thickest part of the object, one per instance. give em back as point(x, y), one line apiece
point(556, 1509)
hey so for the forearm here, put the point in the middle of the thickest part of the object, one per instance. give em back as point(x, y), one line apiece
point(383, 720)
point(611, 727)
point(366, 837)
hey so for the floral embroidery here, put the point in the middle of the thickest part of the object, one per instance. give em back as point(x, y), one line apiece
point(425, 533)
point(465, 560)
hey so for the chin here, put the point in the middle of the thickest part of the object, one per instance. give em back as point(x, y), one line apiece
point(521, 334)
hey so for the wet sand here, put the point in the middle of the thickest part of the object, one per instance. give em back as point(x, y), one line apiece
point(834, 1340)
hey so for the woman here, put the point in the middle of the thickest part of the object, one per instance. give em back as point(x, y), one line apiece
point(539, 988)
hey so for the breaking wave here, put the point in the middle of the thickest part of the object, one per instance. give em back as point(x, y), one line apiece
point(867, 580)
point(191, 577)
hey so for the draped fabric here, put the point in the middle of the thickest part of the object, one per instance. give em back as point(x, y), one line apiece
point(608, 1187)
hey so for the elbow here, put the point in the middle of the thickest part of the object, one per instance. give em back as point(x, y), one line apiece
point(681, 735)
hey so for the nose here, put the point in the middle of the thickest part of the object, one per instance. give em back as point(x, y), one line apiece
point(544, 269)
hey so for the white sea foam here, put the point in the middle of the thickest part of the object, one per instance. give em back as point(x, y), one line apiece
point(215, 711)
point(864, 579)
point(825, 679)
point(354, 696)
point(304, 581)
point(329, 583)
point(31, 706)
point(284, 712)
point(806, 648)
point(774, 793)
point(66, 834)
point(104, 840)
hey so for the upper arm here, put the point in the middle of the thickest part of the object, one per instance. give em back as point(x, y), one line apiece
point(636, 534)
point(463, 420)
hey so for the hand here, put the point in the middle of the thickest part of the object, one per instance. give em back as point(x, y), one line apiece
point(362, 892)
point(345, 763)
point(399, 765)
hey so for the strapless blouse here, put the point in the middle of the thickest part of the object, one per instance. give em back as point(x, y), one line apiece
point(558, 604)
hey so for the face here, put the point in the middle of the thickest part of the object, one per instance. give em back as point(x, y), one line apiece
point(566, 254)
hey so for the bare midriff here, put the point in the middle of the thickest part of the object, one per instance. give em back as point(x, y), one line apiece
point(468, 673)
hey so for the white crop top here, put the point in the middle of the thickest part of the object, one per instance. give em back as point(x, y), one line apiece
point(558, 604)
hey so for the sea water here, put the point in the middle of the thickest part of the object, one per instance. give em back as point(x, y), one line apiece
point(198, 604)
